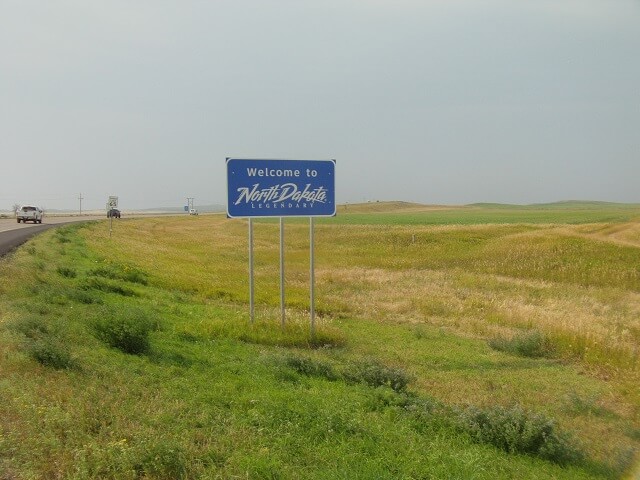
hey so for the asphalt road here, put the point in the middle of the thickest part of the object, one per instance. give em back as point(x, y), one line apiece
point(14, 234)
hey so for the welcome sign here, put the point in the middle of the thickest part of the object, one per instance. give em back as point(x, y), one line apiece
point(280, 188)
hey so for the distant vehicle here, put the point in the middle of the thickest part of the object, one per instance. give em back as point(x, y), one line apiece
point(193, 211)
point(113, 213)
point(29, 213)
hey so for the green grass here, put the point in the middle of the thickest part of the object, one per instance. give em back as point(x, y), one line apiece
point(478, 214)
point(399, 382)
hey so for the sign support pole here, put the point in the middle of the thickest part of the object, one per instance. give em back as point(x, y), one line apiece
point(282, 310)
point(251, 293)
point(312, 280)
point(111, 204)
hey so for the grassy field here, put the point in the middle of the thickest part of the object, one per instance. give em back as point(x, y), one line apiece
point(394, 213)
point(478, 342)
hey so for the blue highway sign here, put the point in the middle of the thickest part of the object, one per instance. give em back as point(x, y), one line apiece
point(280, 188)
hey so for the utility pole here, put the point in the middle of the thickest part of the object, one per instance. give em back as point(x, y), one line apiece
point(80, 198)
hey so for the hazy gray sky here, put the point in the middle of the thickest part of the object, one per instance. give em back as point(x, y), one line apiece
point(443, 101)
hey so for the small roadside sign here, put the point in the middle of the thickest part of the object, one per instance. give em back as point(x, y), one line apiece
point(112, 203)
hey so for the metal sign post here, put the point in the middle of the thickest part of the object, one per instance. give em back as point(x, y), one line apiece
point(281, 188)
point(251, 292)
point(312, 280)
point(282, 310)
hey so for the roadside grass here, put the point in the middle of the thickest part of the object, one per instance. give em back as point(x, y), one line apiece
point(401, 363)
point(366, 272)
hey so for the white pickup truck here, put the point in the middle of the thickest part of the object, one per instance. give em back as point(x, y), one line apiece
point(29, 213)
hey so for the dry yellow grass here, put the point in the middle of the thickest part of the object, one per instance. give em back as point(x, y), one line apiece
point(445, 298)
point(623, 234)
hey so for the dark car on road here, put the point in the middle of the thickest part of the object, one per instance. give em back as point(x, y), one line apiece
point(113, 213)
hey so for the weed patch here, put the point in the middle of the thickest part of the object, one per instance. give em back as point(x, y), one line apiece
point(86, 297)
point(375, 374)
point(66, 272)
point(51, 352)
point(531, 344)
point(43, 343)
point(310, 367)
point(515, 430)
point(108, 286)
point(383, 398)
point(116, 271)
point(32, 326)
point(370, 372)
point(127, 329)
